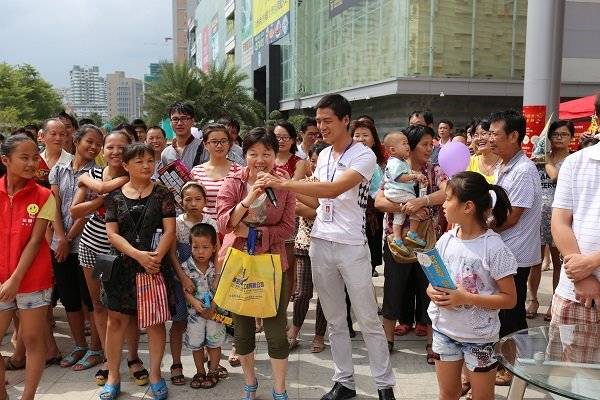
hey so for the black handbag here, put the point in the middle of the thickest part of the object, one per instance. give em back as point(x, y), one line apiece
point(104, 265)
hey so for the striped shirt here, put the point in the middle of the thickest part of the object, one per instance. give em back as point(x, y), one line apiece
point(211, 186)
point(63, 176)
point(578, 190)
point(520, 179)
point(94, 233)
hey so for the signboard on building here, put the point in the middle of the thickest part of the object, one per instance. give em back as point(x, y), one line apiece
point(214, 38)
point(247, 50)
point(535, 117)
point(246, 22)
point(205, 48)
point(267, 12)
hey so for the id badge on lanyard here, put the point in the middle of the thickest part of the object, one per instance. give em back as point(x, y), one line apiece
point(327, 204)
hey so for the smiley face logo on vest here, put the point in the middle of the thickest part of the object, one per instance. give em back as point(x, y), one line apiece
point(32, 210)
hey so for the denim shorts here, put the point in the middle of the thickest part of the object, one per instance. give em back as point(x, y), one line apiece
point(478, 357)
point(28, 301)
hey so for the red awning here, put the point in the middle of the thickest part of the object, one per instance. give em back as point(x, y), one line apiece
point(578, 108)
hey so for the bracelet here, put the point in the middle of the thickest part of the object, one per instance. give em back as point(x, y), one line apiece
point(243, 205)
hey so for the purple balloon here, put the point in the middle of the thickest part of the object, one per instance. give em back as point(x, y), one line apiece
point(454, 157)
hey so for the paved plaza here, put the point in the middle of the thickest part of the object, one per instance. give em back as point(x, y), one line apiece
point(309, 375)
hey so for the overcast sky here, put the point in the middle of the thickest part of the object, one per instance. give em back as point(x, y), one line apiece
point(116, 35)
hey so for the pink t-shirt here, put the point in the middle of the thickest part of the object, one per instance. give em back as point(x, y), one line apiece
point(211, 186)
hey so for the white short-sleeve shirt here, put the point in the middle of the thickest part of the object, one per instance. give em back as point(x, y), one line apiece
point(349, 221)
point(578, 190)
point(520, 178)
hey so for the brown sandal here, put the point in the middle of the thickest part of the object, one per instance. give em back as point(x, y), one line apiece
point(431, 356)
point(177, 379)
point(198, 380)
point(317, 346)
point(212, 378)
point(223, 373)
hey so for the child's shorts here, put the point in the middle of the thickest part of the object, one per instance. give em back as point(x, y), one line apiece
point(203, 333)
point(478, 357)
point(28, 301)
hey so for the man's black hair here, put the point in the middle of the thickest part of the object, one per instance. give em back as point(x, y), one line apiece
point(513, 121)
point(337, 103)
point(181, 107)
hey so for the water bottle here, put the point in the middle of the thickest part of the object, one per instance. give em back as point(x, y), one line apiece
point(156, 239)
point(207, 299)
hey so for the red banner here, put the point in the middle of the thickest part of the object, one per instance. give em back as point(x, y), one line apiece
point(535, 117)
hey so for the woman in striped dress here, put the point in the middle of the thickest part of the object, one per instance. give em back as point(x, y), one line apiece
point(211, 175)
point(89, 199)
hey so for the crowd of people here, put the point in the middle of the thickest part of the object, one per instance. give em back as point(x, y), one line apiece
point(89, 223)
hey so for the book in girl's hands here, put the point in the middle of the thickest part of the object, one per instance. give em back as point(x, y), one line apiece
point(435, 269)
point(174, 176)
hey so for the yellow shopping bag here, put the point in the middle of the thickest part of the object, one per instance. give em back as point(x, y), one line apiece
point(250, 285)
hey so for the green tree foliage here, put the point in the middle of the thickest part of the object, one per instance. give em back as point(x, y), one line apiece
point(217, 93)
point(97, 118)
point(25, 97)
point(118, 120)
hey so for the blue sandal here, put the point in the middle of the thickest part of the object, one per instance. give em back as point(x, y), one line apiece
point(110, 391)
point(280, 396)
point(75, 355)
point(249, 389)
point(159, 390)
point(85, 363)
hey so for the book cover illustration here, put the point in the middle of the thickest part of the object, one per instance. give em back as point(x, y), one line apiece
point(435, 269)
point(174, 176)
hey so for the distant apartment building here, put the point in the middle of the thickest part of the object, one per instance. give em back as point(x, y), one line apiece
point(87, 92)
point(125, 95)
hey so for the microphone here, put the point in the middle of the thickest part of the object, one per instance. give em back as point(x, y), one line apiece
point(271, 195)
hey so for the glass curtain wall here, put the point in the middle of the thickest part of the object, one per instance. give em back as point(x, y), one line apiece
point(377, 40)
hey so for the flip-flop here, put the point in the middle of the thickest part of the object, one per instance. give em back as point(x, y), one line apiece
point(402, 329)
point(72, 358)
point(85, 363)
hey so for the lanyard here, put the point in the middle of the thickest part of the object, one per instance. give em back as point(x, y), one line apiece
point(339, 159)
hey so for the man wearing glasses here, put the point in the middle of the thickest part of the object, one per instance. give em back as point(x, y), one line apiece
point(184, 146)
point(309, 134)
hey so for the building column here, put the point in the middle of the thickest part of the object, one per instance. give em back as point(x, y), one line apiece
point(543, 54)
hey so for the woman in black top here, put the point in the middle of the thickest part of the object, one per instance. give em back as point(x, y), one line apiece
point(135, 213)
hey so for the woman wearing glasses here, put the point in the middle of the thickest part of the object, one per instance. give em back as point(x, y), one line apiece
point(484, 161)
point(560, 134)
point(288, 161)
point(211, 175)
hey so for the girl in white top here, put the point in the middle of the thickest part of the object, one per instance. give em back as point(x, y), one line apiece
point(465, 320)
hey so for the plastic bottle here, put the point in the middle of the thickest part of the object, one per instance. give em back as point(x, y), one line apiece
point(156, 239)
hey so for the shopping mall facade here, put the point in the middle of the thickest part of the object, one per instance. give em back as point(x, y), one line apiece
point(459, 58)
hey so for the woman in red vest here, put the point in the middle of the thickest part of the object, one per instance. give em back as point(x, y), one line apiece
point(26, 278)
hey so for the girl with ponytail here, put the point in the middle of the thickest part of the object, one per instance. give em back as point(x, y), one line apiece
point(465, 320)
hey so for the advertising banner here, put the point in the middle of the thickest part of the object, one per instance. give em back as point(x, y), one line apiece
point(205, 49)
point(266, 12)
point(535, 117)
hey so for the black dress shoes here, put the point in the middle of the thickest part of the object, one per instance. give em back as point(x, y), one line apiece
point(341, 392)
point(386, 394)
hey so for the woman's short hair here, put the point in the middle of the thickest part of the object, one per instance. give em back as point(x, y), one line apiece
point(260, 135)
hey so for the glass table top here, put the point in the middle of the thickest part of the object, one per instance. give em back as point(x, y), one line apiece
point(562, 359)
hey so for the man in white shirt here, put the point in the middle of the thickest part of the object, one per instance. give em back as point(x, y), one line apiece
point(575, 217)
point(518, 176)
point(54, 136)
point(309, 133)
point(339, 251)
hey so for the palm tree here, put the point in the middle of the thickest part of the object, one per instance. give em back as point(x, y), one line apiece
point(214, 94)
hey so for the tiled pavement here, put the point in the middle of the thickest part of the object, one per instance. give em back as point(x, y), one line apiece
point(309, 375)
